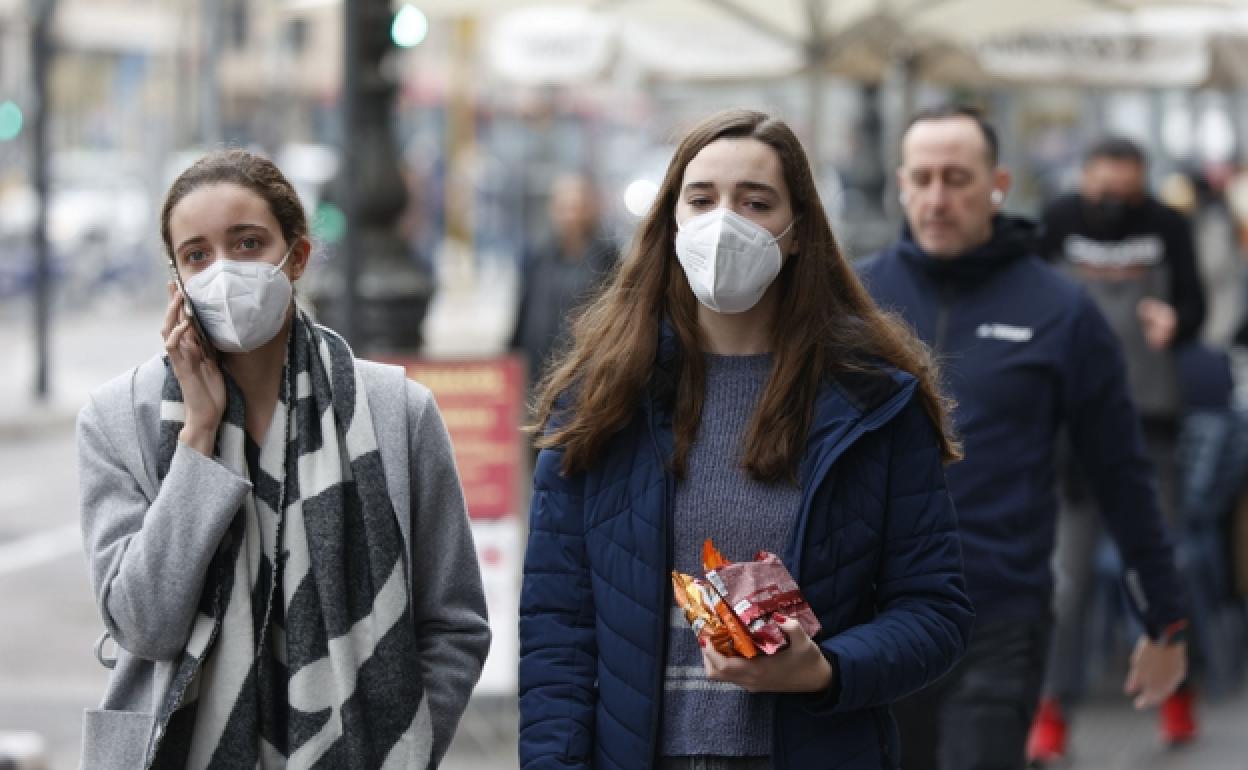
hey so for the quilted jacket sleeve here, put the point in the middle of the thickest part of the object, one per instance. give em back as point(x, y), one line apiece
point(558, 650)
point(924, 616)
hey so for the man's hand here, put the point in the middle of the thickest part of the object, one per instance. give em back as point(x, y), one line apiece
point(799, 667)
point(1156, 672)
point(1160, 322)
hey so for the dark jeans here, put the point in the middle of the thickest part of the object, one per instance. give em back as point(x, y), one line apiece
point(1080, 536)
point(977, 716)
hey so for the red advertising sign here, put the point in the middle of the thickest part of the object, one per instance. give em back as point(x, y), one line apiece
point(481, 401)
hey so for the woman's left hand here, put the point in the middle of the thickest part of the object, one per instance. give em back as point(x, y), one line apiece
point(799, 667)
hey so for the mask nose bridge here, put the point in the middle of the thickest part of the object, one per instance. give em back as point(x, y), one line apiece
point(257, 265)
point(756, 229)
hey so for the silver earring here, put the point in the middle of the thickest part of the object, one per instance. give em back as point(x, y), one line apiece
point(997, 197)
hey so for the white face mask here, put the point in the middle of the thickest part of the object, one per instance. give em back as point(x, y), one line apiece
point(241, 305)
point(729, 260)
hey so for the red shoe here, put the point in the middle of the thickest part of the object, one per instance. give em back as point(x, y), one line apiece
point(1046, 743)
point(1177, 719)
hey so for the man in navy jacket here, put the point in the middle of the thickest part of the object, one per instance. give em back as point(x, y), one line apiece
point(1024, 352)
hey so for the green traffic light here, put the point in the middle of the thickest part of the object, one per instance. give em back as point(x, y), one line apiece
point(330, 223)
point(10, 120)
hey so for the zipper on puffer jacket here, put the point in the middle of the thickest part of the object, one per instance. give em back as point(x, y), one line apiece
point(945, 293)
point(881, 731)
point(664, 600)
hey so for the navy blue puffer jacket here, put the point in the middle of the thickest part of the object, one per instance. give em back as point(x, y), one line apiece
point(1024, 352)
point(875, 551)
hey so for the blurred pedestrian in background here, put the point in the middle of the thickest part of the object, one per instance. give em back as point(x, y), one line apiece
point(1200, 196)
point(735, 382)
point(1025, 352)
point(276, 531)
point(560, 272)
point(1134, 256)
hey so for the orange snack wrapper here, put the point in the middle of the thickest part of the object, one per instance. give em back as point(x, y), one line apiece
point(711, 618)
point(734, 606)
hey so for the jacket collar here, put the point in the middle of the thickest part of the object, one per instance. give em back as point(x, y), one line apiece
point(1012, 239)
point(867, 397)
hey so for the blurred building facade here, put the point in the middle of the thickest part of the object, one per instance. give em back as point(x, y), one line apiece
point(280, 70)
point(153, 82)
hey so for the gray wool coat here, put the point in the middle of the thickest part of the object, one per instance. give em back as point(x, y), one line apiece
point(149, 545)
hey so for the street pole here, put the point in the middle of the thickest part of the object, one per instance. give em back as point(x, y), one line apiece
point(348, 166)
point(210, 39)
point(41, 18)
point(379, 294)
point(817, 52)
point(815, 63)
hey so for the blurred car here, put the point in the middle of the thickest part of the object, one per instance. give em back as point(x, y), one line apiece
point(101, 226)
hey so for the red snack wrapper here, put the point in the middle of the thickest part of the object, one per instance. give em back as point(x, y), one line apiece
point(756, 591)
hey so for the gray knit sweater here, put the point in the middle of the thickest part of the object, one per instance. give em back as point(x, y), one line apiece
point(719, 500)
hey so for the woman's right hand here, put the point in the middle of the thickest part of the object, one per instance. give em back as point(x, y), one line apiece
point(203, 386)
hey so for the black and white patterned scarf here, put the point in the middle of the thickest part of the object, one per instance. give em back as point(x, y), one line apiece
point(303, 653)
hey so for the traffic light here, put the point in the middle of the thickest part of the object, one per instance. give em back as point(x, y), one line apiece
point(330, 223)
point(410, 27)
point(10, 120)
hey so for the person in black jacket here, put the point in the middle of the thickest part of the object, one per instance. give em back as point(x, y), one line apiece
point(561, 272)
point(1135, 258)
point(1025, 352)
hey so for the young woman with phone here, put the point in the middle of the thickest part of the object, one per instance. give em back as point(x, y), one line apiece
point(277, 535)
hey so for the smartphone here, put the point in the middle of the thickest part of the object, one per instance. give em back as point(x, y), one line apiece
point(188, 309)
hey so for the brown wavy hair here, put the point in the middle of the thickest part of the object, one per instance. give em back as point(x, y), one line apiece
point(825, 325)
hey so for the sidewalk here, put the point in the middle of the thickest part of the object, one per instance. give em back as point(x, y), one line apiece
point(1110, 735)
point(87, 349)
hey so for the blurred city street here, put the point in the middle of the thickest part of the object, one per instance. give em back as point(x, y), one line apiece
point(48, 672)
point(468, 171)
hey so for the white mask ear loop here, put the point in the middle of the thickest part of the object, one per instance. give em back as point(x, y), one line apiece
point(786, 230)
point(278, 267)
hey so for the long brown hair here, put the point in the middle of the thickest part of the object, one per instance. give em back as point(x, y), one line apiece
point(825, 325)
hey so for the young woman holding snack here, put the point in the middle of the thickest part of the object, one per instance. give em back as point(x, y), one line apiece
point(735, 382)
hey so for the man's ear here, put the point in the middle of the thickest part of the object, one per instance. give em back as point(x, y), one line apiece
point(1001, 180)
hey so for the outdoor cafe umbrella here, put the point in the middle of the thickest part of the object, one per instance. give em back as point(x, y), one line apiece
point(1175, 46)
point(861, 39)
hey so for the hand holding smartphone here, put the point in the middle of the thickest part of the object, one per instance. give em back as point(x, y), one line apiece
point(188, 310)
point(200, 376)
